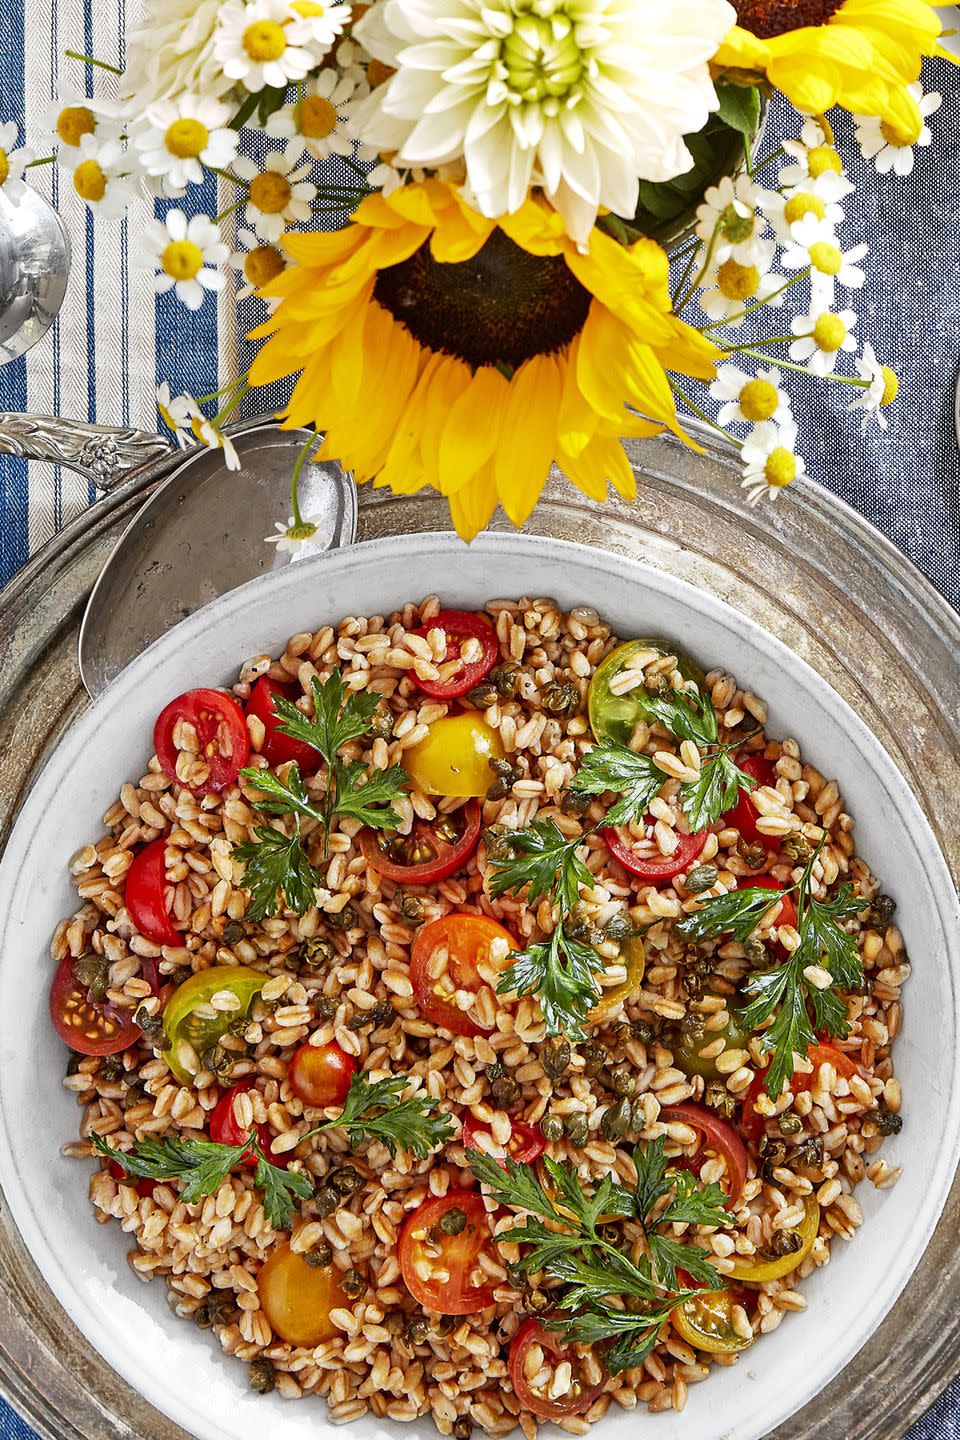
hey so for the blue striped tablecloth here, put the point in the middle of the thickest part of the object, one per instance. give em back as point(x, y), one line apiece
point(115, 340)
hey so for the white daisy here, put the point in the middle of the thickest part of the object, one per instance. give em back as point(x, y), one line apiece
point(214, 438)
point(13, 158)
point(71, 114)
point(814, 158)
point(890, 146)
point(770, 461)
point(101, 175)
point(296, 539)
point(179, 137)
point(177, 412)
point(279, 195)
point(814, 243)
point(257, 263)
point(730, 218)
point(185, 253)
point(730, 289)
point(786, 211)
point(579, 96)
point(822, 335)
point(323, 21)
point(265, 42)
point(321, 116)
point(751, 399)
point(881, 389)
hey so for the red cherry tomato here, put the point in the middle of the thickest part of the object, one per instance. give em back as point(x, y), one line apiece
point(536, 1398)
point(385, 852)
point(278, 748)
point(753, 1123)
point(320, 1074)
point(221, 735)
point(225, 1128)
point(744, 815)
point(441, 1282)
point(787, 913)
point(91, 1027)
point(458, 626)
point(650, 869)
point(717, 1135)
point(526, 1142)
point(467, 940)
point(142, 1186)
point(146, 895)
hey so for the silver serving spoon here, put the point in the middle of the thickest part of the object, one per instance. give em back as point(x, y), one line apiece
point(34, 266)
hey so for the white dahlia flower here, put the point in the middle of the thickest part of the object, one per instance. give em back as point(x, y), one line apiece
point(170, 52)
point(583, 97)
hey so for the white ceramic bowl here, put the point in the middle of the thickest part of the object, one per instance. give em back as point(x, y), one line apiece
point(180, 1370)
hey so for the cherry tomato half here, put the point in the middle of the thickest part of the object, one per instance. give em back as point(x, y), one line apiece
point(433, 850)
point(320, 1074)
point(221, 738)
point(458, 626)
point(717, 1135)
point(744, 815)
point(614, 997)
point(188, 1031)
point(753, 1123)
point(91, 1027)
point(145, 895)
point(525, 1144)
point(652, 869)
point(706, 1322)
point(454, 757)
point(614, 717)
point(468, 940)
point(225, 1128)
point(786, 913)
point(278, 748)
point(533, 1391)
point(142, 1186)
point(297, 1298)
point(761, 1272)
point(436, 1267)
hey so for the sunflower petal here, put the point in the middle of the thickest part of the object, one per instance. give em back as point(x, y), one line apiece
point(528, 436)
point(472, 429)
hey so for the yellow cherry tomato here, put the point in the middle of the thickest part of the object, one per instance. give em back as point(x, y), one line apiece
point(758, 1272)
point(454, 757)
point(614, 997)
point(707, 1323)
point(614, 717)
point(297, 1298)
point(184, 1027)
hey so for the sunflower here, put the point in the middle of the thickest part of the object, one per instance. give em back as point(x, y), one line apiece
point(438, 347)
point(861, 54)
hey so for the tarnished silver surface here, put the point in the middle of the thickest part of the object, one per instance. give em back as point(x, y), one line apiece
point(34, 267)
point(808, 569)
point(103, 453)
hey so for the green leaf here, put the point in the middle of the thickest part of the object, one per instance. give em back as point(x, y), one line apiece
point(340, 715)
point(650, 1163)
point(369, 799)
point(281, 1187)
point(739, 107)
point(668, 1255)
point(590, 1281)
point(632, 776)
point(281, 797)
point(737, 914)
point(276, 866)
point(373, 1110)
point(705, 799)
point(560, 972)
point(513, 1184)
point(687, 714)
point(544, 861)
point(696, 1204)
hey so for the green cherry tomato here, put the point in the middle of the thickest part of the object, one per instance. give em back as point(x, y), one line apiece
point(184, 1026)
point(614, 997)
point(454, 757)
point(687, 1057)
point(614, 717)
point(706, 1321)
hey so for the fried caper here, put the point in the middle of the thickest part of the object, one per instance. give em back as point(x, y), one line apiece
point(555, 1057)
point(551, 1127)
point(700, 878)
point(262, 1375)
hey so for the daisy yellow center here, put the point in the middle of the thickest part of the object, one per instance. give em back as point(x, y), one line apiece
point(891, 385)
point(803, 204)
point(781, 467)
point(89, 181)
point(767, 18)
point(829, 332)
point(73, 122)
point(503, 306)
point(825, 257)
point(264, 40)
point(263, 264)
point(737, 282)
point(758, 400)
point(902, 135)
point(308, 10)
point(736, 226)
point(4, 166)
point(182, 259)
point(317, 117)
point(540, 57)
point(166, 416)
point(186, 139)
point(270, 192)
point(821, 159)
point(304, 531)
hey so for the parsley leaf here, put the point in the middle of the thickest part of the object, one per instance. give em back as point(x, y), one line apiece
point(368, 799)
point(736, 914)
point(281, 797)
point(715, 790)
point(687, 714)
point(340, 715)
point(401, 1124)
point(546, 862)
point(629, 774)
point(276, 866)
point(280, 1186)
point(560, 972)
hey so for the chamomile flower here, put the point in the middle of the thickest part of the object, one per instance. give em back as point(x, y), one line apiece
point(185, 253)
point(881, 389)
point(177, 412)
point(786, 211)
point(770, 461)
point(258, 263)
point(815, 244)
point(71, 115)
point(891, 145)
point(729, 212)
point(321, 117)
point(101, 175)
point(751, 399)
point(265, 42)
point(297, 537)
point(209, 434)
point(821, 336)
point(730, 289)
point(13, 158)
point(182, 136)
point(279, 194)
point(814, 158)
point(322, 21)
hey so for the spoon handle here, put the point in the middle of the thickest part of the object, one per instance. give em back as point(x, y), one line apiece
point(103, 453)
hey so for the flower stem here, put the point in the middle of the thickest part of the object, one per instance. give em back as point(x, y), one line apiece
point(89, 60)
point(691, 258)
point(753, 345)
point(47, 160)
point(295, 479)
point(229, 211)
point(701, 414)
point(224, 390)
point(231, 405)
point(226, 175)
point(802, 370)
point(702, 271)
point(774, 155)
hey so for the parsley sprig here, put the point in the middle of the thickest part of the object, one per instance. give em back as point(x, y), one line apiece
point(605, 1295)
point(373, 1110)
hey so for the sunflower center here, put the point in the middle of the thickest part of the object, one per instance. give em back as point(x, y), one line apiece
point(829, 332)
point(758, 400)
point(891, 385)
point(73, 122)
point(182, 259)
point(737, 282)
point(781, 467)
point(502, 306)
point(767, 18)
point(89, 181)
point(264, 40)
point(317, 117)
point(186, 139)
point(803, 204)
point(825, 257)
point(540, 58)
point(270, 192)
point(263, 264)
point(4, 166)
point(901, 135)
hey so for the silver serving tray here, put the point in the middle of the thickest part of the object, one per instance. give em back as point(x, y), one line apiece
point(809, 569)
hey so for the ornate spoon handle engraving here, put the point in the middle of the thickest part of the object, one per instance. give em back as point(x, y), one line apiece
point(103, 453)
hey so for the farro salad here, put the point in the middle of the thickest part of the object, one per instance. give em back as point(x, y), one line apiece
point(478, 1014)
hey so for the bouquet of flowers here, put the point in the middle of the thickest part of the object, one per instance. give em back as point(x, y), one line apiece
point(490, 235)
